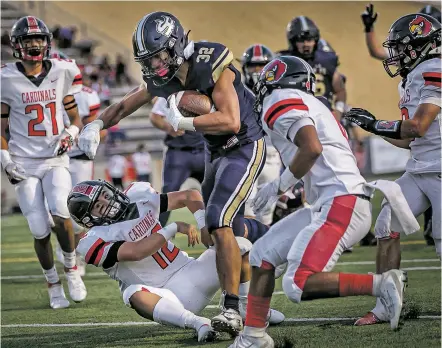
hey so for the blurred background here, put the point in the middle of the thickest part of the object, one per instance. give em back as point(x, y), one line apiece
point(98, 36)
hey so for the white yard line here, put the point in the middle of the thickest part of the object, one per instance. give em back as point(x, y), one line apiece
point(94, 274)
point(141, 323)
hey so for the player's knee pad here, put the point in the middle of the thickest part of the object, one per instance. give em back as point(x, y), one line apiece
point(291, 288)
point(38, 224)
point(244, 245)
point(255, 229)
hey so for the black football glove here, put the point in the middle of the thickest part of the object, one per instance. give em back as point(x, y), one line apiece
point(367, 121)
point(369, 17)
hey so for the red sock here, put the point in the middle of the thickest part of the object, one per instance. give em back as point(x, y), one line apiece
point(257, 310)
point(355, 284)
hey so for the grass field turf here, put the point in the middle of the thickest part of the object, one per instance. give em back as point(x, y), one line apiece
point(25, 302)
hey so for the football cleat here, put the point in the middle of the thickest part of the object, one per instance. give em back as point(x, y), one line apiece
point(368, 319)
point(392, 289)
point(247, 341)
point(229, 320)
point(77, 289)
point(57, 297)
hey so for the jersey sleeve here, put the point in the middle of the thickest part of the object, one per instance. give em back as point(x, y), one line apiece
point(94, 102)
point(5, 96)
point(82, 104)
point(287, 116)
point(430, 93)
point(160, 107)
point(74, 78)
point(93, 249)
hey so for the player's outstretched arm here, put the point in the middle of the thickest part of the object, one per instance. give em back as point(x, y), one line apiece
point(227, 118)
point(374, 48)
point(340, 93)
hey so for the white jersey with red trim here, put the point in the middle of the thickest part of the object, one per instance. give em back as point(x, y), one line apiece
point(88, 103)
point(36, 109)
point(423, 85)
point(335, 172)
point(154, 270)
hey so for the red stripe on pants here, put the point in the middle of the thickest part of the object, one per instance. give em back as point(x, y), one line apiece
point(324, 241)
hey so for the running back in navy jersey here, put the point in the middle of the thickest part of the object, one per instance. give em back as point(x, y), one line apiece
point(206, 64)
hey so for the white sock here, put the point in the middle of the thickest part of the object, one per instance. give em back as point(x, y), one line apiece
point(377, 278)
point(69, 259)
point(243, 292)
point(170, 313)
point(51, 275)
point(254, 331)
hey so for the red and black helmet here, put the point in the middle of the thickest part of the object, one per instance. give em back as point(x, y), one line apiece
point(411, 40)
point(258, 56)
point(85, 194)
point(25, 28)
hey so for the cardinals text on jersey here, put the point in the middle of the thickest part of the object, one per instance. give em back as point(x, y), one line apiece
point(335, 173)
point(154, 270)
point(36, 106)
point(423, 85)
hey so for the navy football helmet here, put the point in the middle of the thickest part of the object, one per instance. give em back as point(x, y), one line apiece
point(26, 28)
point(158, 44)
point(253, 60)
point(284, 72)
point(431, 11)
point(411, 39)
point(300, 29)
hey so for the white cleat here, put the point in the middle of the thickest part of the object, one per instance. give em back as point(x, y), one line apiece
point(247, 341)
point(77, 289)
point(57, 298)
point(81, 265)
point(206, 332)
point(274, 317)
point(392, 289)
point(229, 320)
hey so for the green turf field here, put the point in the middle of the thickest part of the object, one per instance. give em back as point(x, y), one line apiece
point(103, 320)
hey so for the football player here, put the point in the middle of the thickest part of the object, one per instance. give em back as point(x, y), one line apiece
point(234, 137)
point(414, 44)
point(314, 148)
point(81, 167)
point(378, 52)
point(35, 90)
point(304, 41)
point(156, 278)
point(184, 156)
point(253, 61)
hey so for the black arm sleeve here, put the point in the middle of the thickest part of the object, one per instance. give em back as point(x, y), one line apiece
point(112, 257)
point(164, 202)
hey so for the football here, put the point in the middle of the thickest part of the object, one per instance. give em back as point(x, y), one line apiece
point(193, 103)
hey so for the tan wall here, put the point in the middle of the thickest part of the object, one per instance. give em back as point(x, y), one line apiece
point(239, 24)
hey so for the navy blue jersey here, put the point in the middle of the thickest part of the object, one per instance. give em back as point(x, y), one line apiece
point(324, 64)
point(206, 64)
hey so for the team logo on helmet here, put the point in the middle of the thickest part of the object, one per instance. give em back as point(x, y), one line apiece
point(86, 190)
point(274, 71)
point(165, 26)
point(420, 26)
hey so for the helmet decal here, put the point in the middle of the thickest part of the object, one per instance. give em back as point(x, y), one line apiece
point(165, 25)
point(420, 26)
point(87, 190)
point(274, 71)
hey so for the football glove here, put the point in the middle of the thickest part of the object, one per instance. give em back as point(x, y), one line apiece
point(369, 17)
point(89, 138)
point(64, 142)
point(365, 120)
point(14, 171)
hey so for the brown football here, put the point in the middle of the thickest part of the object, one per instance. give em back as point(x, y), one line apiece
point(193, 103)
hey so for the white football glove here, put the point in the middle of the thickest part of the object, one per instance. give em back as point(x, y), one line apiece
point(89, 138)
point(175, 118)
point(14, 171)
point(64, 142)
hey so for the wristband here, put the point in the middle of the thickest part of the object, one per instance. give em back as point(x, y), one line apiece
point(169, 231)
point(5, 158)
point(388, 129)
point(186, 123)
point(287, 180)
point(200, 217)
point(340, 106)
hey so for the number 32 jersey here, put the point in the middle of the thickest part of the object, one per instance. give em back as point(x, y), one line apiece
point(100, 244)
point(36, 105)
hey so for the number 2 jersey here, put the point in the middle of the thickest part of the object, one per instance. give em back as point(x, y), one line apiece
point(423, 85)
point(206, 63)
point(100, 245)
point(36, 105)
point(335, 172)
